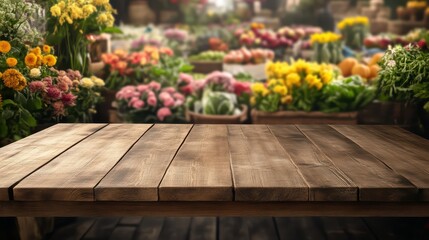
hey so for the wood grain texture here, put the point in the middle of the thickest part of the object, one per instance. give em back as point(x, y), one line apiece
point(262, 171)
point(201, 169)
point(326, 182)
point(204, 208)
point(74, 174)
point(25, 156)
point(375, 180)
point(404, 152)
point(137, 176)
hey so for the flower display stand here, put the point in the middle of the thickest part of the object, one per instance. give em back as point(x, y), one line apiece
point(217, 119)
point(206, 67)
point(300, 117)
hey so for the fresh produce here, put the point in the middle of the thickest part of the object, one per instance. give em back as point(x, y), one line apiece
point(219, 103)
point(212, 56)
point(383, 41)
point(347, 65)
point(351, 66)
point(246, 56)
point(344, 95)
point(362, 70)
point(375, 59)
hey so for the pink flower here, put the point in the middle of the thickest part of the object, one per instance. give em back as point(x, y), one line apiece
point(132, 101)
point(242, 87)
point(166, 51)
point(178, 102)
point(164, 95)
point(163, 113)
point(142, 88)
point(188, 89)
point(54, 93)
point(47, 81)
point(58, 108)
point(37, 86)
point(155, 86)
point(170, 90)
point(151, 101)
point(63, 86)
point(185, 78)
point(68, 99)
point(179, 96)
point(126, 92)
point(138, 104)
point(168, 102)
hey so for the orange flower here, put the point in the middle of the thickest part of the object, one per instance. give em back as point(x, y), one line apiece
point(36, 51)
point(49, 60)
point(31, 60)
point(46, 49)
point(11, 62)
point(5, 46)
point(14, 79)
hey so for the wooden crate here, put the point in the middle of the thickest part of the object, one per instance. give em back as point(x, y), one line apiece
point(217, 119)
point(206, 67)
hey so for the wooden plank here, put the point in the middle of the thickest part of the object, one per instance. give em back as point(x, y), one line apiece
point(326, 182)
point(175, 228)
point(201, 169)
point(203, 208)
point(406, 153)
point(203, 228)
point(375, 180)
point(150, 228)
point(137, 176)
point(307, 228)
point(73, 175)
point(123, 233)
point(102, 228)
point(233, 228)
point(20, 159)
point(261, 228)
point(262, 170)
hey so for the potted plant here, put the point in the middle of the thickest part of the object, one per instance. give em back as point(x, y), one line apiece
point(354, 31)
point(404, 76)
point(302, 93)
point(207, 61)
point(327, 47)
point(218, 98)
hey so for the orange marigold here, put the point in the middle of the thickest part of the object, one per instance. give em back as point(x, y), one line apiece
point(5, 46)
point(46, 49)
point(11, 62)
point(14, 79)
point(36, 51)
point(31, 60)
point(49, 60)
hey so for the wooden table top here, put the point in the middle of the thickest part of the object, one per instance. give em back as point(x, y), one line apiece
point(216, 163)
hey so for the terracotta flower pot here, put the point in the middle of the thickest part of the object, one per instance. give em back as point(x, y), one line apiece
point(300, 117)
point(217, 119)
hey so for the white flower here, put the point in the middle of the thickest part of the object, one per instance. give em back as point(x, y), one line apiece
point(35, 72)
point(391, 64)
point(86, 83)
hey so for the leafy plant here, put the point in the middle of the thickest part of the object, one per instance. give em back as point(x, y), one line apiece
point(345, 95)
point(218, 103)
point(168, 70)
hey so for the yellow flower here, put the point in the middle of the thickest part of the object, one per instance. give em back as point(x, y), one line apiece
point(5, 46)
point(11, 62)
point(31, 60)
point(12, 78)
point(86, 83)
point(100, 2)
point(301, 66)
point(56, 10)
point(253, 100)
point(313, 81)
point(1, 74)
point(49, 60)
point(258, 88)
point(46, 49)
point(280, 89)
point(293, 79)
point(326, 76)
point(97, 81)
point(286, 99)
point(35, 72)
point(88, 9)
point(76, 12)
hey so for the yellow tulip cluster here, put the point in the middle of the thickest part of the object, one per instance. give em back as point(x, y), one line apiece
point(416, 4)
point(325, 37)
point(351, 21)
point(74, 10)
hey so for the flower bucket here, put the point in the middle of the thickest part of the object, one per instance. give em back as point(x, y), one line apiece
point(207, 67)
point(300, 117)
point(217, 119)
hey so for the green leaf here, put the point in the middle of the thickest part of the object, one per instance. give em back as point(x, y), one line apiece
point(28, 118)
point(3, 128)
point(20, 99)
point(112, 30)
point(7, 113)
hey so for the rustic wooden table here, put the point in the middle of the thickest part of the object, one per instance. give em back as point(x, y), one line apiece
point(215, 170)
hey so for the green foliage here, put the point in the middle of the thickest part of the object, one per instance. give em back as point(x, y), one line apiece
point(346, 95)
point(404, 75)
point(218, 103)
point(167, 70)
point(212, 56)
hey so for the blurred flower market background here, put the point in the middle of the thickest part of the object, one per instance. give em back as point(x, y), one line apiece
point(207, 61)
